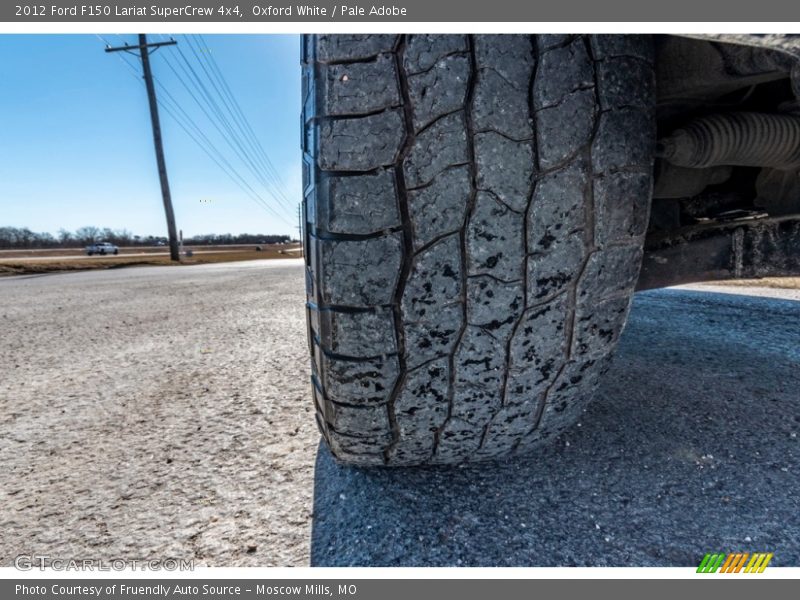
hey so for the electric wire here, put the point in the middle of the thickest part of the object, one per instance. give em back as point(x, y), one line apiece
point(220, 129)
point(206, 145)
point(241, 118)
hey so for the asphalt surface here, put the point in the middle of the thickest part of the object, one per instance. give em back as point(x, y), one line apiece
point(690, 447)
point(155, 412)
point(122, 253)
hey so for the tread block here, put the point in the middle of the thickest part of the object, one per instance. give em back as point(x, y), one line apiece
point(422, 52)
point(420, 410)
point(358, 205)
point(362, 382)
point(360, 334)
point(561, 72)
point(624, 81)
point(506, 428)
point(458, 442)
point(495, 244)
point(479, 365)
point(361, 144)
point(360, 273)
point(493, 305)
point(505, 168)
point(537, 351)
point(440, 207)
point(431, 303)
point(610, 272)
point(359, 88)
point(442, 145)
point(564, 129)
point(552, 273)
point(440, 90)
point(575, 388)
point(359, 451)
point(555, 237)
point(606, 46)
point(333, 48)
point(598, 327)
point(549, 41)
point(510, 56)
point(615, 147)
point(622, 202)
point(361, 421)
point(499, 106)
point(557, 210)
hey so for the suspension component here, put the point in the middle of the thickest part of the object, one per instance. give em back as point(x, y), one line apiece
point(746, 139)
point(681, 182)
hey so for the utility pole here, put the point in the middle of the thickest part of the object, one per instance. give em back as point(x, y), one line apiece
point(300, 234)
point(144, 54)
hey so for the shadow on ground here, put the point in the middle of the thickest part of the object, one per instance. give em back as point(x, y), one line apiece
point(691, 446)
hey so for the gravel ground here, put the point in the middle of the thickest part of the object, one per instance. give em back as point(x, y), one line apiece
point(157, 412)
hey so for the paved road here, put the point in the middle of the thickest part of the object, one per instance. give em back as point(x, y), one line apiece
point(122, 254)
point(165, 412)
point(691, 447)
point(17, 259)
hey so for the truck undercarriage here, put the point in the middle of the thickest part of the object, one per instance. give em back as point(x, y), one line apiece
point(726, 200)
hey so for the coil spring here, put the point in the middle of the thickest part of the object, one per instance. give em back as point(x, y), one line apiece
point(738, 139)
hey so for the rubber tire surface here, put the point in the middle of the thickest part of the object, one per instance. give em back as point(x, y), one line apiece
point(475, 215)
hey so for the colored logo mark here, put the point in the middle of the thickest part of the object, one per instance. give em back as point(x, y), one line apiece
point(735, 562)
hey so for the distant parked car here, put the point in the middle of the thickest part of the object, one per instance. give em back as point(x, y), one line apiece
point(102, 248)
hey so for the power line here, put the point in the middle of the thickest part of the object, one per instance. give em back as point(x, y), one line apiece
point(237, 111)
point(206, 144)
point(272, 186)
point(238, 107)
point(229, 170)
point(220, 124)
point(215, 154)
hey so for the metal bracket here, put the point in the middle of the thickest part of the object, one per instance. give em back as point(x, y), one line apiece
point(743, 249)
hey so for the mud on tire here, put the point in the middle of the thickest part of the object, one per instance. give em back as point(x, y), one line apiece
point(475, 212)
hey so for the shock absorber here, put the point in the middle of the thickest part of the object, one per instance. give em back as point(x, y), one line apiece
point(746, 139)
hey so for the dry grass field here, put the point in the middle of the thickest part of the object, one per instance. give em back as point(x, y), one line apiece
point(781, 283)
point(27, 262)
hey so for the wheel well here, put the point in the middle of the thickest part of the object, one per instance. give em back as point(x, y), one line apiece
point(728, 204)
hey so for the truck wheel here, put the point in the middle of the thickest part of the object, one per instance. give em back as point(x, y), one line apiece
point(475, 214)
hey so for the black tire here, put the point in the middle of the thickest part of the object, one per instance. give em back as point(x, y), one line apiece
point(90, 253)
point(116, 252)
point(475, 216)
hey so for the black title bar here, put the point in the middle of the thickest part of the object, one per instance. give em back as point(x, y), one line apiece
point(436, 11)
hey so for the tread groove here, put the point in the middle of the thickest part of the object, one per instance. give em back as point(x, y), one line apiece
point(473, 77)
point(408, 244)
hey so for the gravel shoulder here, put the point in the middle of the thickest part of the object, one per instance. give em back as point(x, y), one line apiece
point(156, 412)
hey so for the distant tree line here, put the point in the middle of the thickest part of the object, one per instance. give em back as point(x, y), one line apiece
point(242, 238)
point(22, 237)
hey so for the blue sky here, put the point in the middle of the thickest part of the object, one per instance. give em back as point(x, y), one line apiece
point(76, 144)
